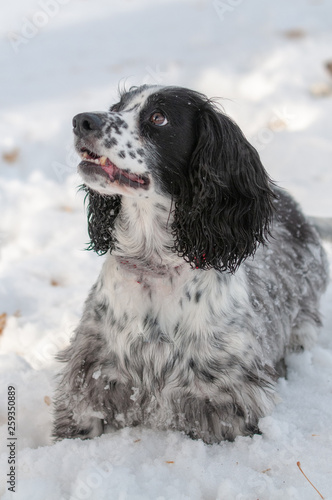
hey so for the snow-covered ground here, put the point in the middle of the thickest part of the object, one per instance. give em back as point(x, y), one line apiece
point(267, 60)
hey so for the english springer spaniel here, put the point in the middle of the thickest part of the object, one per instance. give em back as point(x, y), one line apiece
point(212, 274)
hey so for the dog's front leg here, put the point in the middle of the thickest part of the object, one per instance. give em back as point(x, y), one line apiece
point(79, 405)
point(71, 422)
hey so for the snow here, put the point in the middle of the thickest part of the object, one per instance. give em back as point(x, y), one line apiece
point(267, 62)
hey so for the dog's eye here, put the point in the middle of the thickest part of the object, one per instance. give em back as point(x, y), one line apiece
point(159, 119)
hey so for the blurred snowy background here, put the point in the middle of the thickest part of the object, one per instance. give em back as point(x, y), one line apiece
point(271, 64)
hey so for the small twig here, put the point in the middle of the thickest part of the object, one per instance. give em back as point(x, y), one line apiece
point(266, 470)
point(299, 466)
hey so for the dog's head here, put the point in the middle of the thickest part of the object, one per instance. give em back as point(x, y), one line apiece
point(174, 142)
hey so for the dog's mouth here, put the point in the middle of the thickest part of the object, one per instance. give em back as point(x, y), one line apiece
point(123, 177)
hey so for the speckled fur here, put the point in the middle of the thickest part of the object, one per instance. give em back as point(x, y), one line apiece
point(169, 345)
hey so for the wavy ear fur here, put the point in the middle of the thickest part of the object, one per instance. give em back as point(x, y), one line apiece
point(226, 201)
point(102, 212)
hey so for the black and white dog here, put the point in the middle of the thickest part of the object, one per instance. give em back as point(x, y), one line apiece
point(212, 274)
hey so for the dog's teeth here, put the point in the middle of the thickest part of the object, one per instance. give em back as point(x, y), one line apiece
point(102, 160)
point(85, 155)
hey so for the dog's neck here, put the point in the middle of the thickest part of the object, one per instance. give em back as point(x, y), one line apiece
point(144, 235)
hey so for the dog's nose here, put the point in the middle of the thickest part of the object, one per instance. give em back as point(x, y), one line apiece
point(85, 124)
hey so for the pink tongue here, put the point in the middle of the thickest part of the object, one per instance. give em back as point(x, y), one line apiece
point(109, 168)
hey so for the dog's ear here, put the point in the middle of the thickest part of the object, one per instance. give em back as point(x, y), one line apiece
point(225, 203)
point(102, 212)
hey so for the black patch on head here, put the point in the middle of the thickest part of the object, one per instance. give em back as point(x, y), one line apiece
point(122, 154)
point(175, 141)
point(132, 154)
point(223, 197)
